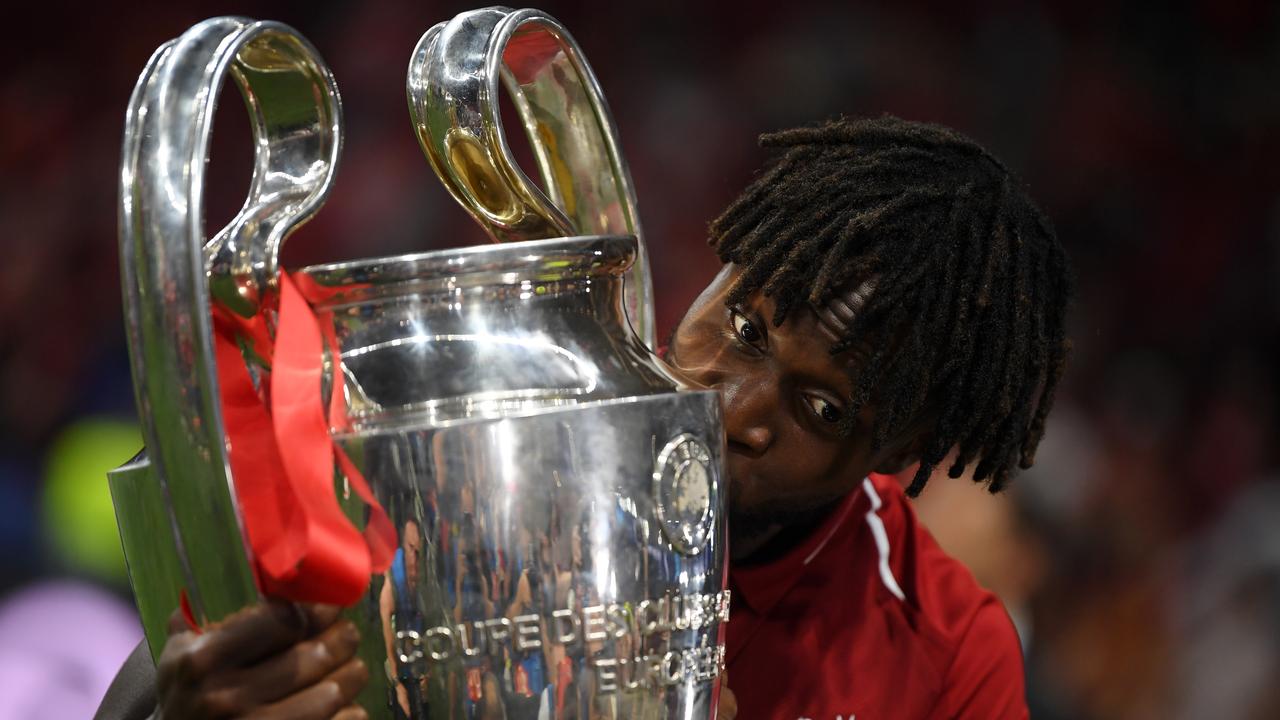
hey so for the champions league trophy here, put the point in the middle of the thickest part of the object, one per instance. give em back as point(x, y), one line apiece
point(558, 496)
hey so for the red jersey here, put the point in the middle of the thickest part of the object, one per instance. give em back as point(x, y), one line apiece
point(868, 619)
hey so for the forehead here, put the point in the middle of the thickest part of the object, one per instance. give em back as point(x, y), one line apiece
point(833, 319)
point(809, 330)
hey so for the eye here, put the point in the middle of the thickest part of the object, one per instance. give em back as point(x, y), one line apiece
point(745, 329)
point(823, 408)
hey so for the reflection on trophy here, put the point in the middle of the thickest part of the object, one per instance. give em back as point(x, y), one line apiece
point(555, 495)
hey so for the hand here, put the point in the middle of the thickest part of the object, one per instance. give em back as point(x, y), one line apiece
point(728, 708)
point(271, 660)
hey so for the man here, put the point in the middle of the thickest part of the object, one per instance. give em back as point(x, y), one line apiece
point(890, 297)
point(398, 607)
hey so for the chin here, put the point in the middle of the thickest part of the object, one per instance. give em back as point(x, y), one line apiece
point(740, 496)
point(745, 509)
point(751, 513)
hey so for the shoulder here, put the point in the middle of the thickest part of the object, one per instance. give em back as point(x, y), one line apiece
point(931, 584)
point(986, 677)
point(972, 640)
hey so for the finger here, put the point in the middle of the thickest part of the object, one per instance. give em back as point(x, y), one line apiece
point(175, 648)
point(322, 700)
point(316, 616)
point(297, 668)
point(728, 707)
point(244, 638)
point(319, 617)
point(353, 712)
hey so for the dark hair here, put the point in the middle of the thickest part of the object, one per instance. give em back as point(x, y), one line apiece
point(970, 282)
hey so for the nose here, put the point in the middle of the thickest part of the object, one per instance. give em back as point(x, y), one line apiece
point(748, 406)
point(747, 410)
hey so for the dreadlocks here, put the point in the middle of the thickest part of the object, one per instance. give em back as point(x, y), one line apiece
point(970, 282)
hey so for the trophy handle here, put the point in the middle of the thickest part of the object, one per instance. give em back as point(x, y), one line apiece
point(453, 101)
point(170, 274)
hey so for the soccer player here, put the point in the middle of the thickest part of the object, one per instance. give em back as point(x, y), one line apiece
point(891, 297)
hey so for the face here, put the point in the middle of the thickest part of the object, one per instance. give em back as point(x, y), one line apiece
point(784, 395)
point(411, 542)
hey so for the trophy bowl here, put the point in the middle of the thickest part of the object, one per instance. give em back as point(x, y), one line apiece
point(557, 495)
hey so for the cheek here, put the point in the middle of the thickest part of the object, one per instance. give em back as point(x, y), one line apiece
point(793, 472)
point(810, 468)
point(813, 471)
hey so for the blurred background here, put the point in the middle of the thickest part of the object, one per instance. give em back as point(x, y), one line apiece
point(1140, 558)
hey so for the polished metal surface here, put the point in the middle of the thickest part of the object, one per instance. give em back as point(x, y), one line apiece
point(558, 493)
point(170, 276)
point(502, 329)
point(542, 573)
point(559, 498)
point(453, 90)
point(146, 534)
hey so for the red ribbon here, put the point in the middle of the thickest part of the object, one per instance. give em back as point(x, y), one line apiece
point(526, 54)
point(184, 604)
point(283, 458)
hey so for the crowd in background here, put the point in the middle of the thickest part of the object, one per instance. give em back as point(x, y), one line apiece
point(1140, 558)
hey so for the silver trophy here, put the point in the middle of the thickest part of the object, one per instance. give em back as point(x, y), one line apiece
point(558, 494)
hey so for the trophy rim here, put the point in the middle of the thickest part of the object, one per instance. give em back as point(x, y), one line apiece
point(411, 422)
point(553, 259)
